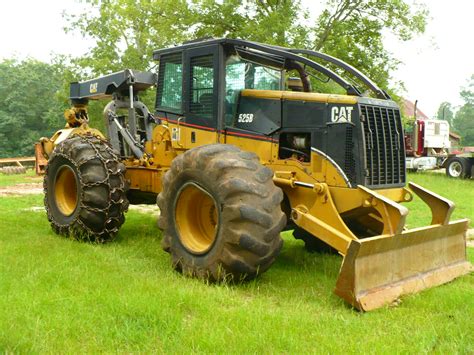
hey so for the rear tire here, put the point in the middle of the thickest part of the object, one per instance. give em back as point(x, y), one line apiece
point(85, 189)
point(458, 168)
point(220, 214)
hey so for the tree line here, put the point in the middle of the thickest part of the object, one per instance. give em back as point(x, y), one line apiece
point(34, 94)
point(31, 104)
point(461, 120)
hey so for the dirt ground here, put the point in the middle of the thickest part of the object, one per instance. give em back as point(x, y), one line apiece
point(22, 189)
point(37, 188)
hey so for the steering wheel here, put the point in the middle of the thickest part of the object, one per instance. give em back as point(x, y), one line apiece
point(291, 150)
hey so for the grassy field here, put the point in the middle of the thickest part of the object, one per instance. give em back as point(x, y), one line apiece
point(57, 295)
point(461, 192)
point(29, 177)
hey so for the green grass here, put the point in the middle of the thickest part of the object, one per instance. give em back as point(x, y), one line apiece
point(29, 177)
point(57, 295)
point(461, 192)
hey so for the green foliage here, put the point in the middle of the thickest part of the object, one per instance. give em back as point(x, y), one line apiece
point(407, 123)
point(445, 112)
point(353, 31)
point(464, 119)
point(31, 105)
point(279, 22)
point(128, 31)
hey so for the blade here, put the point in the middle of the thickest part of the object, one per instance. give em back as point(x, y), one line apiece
point(377, 271)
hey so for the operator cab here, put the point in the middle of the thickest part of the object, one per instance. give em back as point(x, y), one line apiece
point(273, 95)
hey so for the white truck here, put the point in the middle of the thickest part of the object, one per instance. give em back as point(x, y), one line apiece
point(428, 147)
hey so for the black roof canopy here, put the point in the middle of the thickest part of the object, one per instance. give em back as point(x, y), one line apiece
point(286, 55)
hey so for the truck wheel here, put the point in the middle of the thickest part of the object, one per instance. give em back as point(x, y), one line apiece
point(220, 214)
point(85, 189)
point(458, 168)
point(311, 243)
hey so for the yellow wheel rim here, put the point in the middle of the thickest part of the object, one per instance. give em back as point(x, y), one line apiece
point(65, 190)
point(196, 218)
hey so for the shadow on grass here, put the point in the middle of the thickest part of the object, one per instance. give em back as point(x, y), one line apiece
point(296, 274)
point(294, 268)
point(138, 226)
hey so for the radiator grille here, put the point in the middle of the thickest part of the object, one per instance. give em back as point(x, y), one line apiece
point(349, 159)
point(384, 147)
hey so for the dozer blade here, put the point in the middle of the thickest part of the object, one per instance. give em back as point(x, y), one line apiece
point(376, 271)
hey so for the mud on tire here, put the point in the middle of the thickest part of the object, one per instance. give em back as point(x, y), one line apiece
point(220, 214)
point(85, 189)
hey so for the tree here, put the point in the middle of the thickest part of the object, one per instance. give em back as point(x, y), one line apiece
point(464, 119)
point(31, 106)
point(279, 22)
point(352, 30)
point(445, 112)
point(127, 31)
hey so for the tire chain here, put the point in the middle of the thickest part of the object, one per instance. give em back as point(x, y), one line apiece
point(87, 234)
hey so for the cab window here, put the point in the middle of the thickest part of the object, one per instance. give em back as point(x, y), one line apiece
point(169, 93)
point(242, 74)
point(202, 86)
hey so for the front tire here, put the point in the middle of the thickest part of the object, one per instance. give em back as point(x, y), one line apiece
point(85, 189)
point(220, 214)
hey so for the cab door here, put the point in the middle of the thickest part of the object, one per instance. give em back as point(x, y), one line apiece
point(200, 123)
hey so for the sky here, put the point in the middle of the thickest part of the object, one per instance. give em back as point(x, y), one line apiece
point(437, 64)
point(434, 65)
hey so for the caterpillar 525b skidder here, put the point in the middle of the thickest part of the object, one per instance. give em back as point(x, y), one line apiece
point(241, 145)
